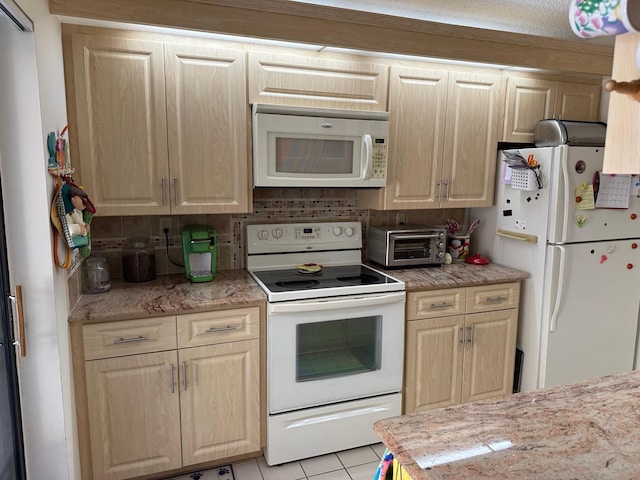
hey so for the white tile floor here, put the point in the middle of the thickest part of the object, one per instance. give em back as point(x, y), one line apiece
point(355, 464)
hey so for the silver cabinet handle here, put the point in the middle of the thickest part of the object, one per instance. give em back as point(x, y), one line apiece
point(462, 335)
point(221, 329)
point(175, 191)
point(472, 330)
point(439, 185)
point(496, 299)
point(163, 184)
point(172, 380)
point(441, 305)
point(446, 195)
point(139, 338)
point(184, 376)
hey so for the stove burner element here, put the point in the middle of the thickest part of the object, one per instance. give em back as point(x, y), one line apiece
point(362, 279)
point(298, 284)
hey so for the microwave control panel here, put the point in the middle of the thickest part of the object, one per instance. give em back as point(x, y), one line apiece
point(380, 155)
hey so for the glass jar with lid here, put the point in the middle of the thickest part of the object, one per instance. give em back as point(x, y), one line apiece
point(97, 275)
point(138, 260)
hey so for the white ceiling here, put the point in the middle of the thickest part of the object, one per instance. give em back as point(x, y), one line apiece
point(545, 18)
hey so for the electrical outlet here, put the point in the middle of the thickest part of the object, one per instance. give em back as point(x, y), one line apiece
point(165, 223)
point(401, 218)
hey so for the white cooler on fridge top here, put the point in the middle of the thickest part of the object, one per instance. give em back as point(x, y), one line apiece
point(579, 310)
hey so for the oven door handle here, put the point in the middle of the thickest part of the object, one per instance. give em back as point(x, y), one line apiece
point(334, 303)
point(420, 236)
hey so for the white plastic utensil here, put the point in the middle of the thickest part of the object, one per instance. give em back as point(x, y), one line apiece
point(473, 226)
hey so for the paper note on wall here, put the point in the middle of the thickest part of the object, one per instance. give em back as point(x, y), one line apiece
point(613, 191)
point(635, 185)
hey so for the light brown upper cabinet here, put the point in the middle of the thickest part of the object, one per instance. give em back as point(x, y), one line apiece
point(442, 145)
point(160, 128)
point(207, 130)
point(311, 81)
point(530, 99)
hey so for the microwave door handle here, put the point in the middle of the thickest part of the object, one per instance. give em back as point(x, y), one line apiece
point(367, 143)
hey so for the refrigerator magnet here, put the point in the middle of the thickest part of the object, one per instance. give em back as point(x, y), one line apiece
point(581, 220)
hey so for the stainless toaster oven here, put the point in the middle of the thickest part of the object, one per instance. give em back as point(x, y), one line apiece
point(406, 245)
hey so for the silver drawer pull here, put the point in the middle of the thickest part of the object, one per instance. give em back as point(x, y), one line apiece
point(441, 305)
point(496, 299)
point(139, 338)
point(221, 329)
point(172, 379)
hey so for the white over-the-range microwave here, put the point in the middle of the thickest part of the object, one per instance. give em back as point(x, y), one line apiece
point(312, 147)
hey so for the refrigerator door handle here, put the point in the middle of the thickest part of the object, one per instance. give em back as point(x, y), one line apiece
point(553, 325)
point(565, 212)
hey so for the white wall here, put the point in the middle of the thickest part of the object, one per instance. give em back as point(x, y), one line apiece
point(33, 103)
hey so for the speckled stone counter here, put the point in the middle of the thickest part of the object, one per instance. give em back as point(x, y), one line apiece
point(585, 431)
point(166, 295)
point(454, 275)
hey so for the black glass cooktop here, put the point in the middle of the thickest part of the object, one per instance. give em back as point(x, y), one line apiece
point(292, 279)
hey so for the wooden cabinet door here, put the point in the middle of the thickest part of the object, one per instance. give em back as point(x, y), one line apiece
point(474, 110)
point(575, 101)
point(120, 119)
point(528, 101)
point(313, 81)
point(434, 352)
point(207, 121)
point(417, 106)
point(489, 354)
point(134, 410)
point(220, 401)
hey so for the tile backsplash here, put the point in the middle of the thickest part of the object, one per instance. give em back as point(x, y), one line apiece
point(276, 205)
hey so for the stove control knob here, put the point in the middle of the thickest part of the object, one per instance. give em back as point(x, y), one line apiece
point(440, 254)
point(263, 235)
point(349, 231)
point(337, 231)
point(276, 233)
point(440, 244)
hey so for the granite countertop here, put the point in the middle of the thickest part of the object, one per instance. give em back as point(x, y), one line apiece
point(584, 431)
point(454, 275)
point(174, 294)
point(166, 295)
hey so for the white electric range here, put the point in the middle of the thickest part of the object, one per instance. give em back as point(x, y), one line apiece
point(335, 338)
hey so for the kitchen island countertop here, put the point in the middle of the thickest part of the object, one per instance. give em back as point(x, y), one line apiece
point(168, 295)
point(454, 275)
point(583, 431)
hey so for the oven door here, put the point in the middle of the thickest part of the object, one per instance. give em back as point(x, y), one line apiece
point(329, 350)
point(415, 249)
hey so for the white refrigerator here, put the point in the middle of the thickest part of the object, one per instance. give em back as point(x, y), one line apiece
point(579, 308)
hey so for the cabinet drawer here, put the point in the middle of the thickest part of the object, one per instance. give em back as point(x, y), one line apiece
point(493, 297)
point(129, 337)
point(435, 303)
point(221, 326)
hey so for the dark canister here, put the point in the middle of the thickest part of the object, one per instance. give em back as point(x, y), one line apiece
point(138, 260)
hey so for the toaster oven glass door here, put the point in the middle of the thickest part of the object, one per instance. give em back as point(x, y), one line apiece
point(405, 248)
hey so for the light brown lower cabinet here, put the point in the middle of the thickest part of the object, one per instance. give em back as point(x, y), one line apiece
point(460, 345)
point(195, 401)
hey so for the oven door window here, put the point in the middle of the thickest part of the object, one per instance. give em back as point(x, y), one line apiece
point(314, 156)
point(337, 348)
point(407, 249)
